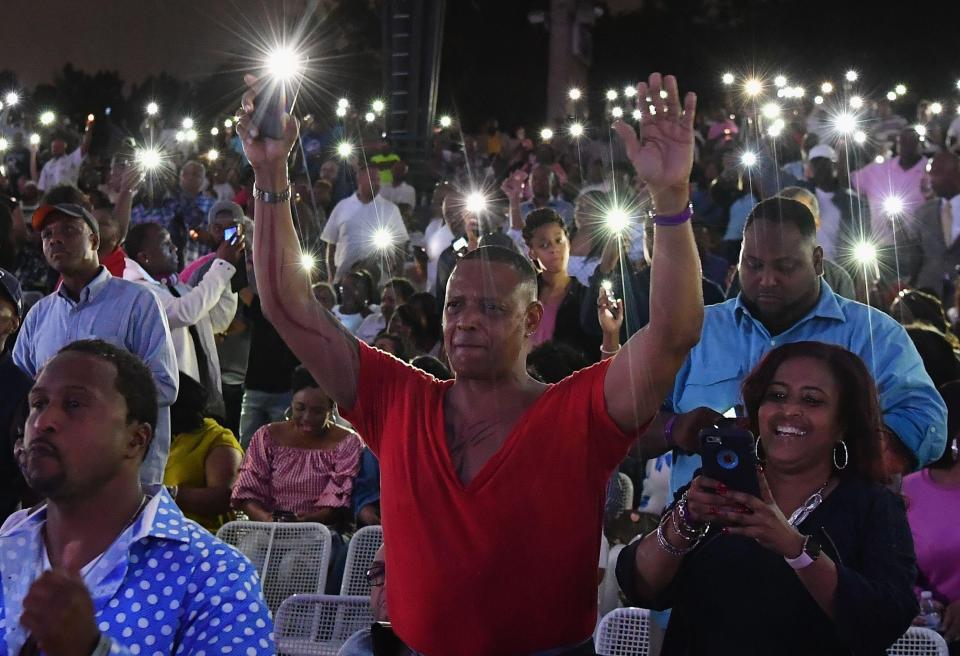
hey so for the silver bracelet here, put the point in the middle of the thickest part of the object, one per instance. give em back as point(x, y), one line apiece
point(271, 197)
point(686, 528)
point(606, 352)
point(664, 543)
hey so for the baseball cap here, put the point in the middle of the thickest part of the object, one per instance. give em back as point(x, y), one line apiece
point(10, 287)
point(225, 206)
point(823, 150)
point(70, 209)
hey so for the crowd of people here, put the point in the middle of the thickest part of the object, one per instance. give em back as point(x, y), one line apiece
point(476, 365)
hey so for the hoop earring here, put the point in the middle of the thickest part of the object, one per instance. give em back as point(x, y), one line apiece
point(955, 449)
point(846, 456)
point(756, 451)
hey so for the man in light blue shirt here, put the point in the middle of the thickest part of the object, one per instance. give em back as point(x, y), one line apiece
point(541, 185)
point(102, 568)
point(90, 303)
point(784, 300)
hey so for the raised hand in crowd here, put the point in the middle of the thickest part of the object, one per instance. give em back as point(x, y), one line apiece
point(610, 315)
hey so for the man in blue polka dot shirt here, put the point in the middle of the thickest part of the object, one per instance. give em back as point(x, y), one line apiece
point(101, 568)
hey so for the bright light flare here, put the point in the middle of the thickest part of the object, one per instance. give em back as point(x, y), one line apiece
point(860, 137)
point(936, 108)
point(34, 139)
point(344, 149)
point(47, 118)
point(213, 155)
point(382, 239)
point(4, 144)
point(152, 108)
point(900, 89)
point(546, 134)
point(476, 202)
point(284, 63)
point(776, 129)
point(148, 159)
point(748, 159)
point(856, 102)
point(637, 115)
point(612, 94)
point(445, 121)
point(845, 123)
point(826, 87)
point(574, 94)
point(576, 130)
point(228, 123)
point(891, 96)
point(818, 100)
point(780, 81)
point(771, 110)
point(753, 87)
point(343, 102)
point(920, 130)
point(341, 112)
point(852, 76)
point(190, 135)
point(607, 286)
point(865, 253)
point(617, 220)
point(728, 78)
point(214, 131)
point(378, 106)
point(799, 92)
point(893, 206)
point(187, 123)
point(370, 117)
point(629, 91)
point(12, 98)
point(879, 159)
point(307, 261)
point(617, 112)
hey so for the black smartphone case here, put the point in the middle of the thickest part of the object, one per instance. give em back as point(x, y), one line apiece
point(729, 456)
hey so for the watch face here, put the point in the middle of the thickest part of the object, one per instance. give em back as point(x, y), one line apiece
point(812, 548)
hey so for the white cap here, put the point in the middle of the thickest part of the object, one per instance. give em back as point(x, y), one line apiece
point(926, 594)
point(823, 150)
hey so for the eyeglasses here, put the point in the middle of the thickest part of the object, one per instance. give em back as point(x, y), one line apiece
point(376, 575)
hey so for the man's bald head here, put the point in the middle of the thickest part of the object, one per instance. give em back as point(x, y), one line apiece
point(945, 175)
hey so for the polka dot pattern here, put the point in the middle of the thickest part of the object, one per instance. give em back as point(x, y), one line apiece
point(165, 587)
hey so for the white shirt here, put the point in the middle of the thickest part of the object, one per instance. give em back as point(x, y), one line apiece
point(955, 213)
point(829, 231)
point(352, 226)
point(402, 193)
point(351, 322)
point(888, 179)
point(61, 170)
point(210, 306)
point(370, 327)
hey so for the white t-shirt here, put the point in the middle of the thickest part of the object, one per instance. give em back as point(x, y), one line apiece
point(829, 231)
point(402, 193)
point(352, 227)
point(437, 237)
point(61, 170)
point(878, 182)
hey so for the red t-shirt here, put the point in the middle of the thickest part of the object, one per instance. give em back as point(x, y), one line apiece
point(115, 262)
point(507, 565)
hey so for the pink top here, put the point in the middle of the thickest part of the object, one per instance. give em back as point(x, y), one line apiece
point(294, 479)
point(934, 514)
point(548, 324)
point(193, 266)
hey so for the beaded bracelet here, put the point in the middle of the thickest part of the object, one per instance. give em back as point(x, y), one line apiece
point(675, 219)
point(689, 528)
point(662, 541)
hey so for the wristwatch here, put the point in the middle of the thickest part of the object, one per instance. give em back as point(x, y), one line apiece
point(810, 552)
point(271, 196)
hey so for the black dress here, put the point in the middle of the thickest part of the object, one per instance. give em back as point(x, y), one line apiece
point(732, 596)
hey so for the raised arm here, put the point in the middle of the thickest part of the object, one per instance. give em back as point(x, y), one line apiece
point(643, 371)
point(321, 343)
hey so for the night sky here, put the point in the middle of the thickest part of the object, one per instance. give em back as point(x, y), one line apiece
point(494, 60)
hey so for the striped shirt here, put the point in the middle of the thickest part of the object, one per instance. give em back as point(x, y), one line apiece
point(294, 479)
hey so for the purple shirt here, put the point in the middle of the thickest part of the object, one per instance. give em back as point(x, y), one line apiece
point(933, 511)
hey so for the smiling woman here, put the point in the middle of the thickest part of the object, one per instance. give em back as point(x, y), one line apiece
point(844, 559)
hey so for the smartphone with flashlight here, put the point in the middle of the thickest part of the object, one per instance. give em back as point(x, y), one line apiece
point(728, 454)
point(231, 234)
point(460, 245)
point(269, 106)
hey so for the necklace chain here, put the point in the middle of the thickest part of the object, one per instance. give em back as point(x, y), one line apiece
point(808, 506)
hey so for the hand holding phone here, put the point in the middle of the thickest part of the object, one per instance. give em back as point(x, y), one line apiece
point(728, 453)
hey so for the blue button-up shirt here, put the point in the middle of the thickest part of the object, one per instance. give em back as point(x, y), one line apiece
point(165, 586)
point(558, 205)
point(120, 312)
point(733, 342)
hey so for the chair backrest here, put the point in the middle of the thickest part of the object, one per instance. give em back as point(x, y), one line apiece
point(317, 624)
point(626, 490)
point(360, 552)
point(291, 558)
point(918, 641)
point(609, 593)
point(624, 632)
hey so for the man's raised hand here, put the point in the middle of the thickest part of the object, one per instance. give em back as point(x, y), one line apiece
point(663, 153)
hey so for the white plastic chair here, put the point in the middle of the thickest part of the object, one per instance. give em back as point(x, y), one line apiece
point(918, 641)
point(291, 558)
point(318, 625)
point(609, 596)
point(626, 491)
point(624, 632)
point(360, 552)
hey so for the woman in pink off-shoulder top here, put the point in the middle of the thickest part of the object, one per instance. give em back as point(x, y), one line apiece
point(301, 469)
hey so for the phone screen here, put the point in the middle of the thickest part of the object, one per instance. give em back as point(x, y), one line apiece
point(230, 234)
point(459, 245)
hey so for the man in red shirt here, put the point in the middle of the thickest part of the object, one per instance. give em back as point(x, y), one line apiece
point(493, 484)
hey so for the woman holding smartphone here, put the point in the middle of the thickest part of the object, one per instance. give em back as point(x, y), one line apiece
point(822, 562)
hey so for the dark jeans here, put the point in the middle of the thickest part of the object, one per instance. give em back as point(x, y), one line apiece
point(233, 400)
